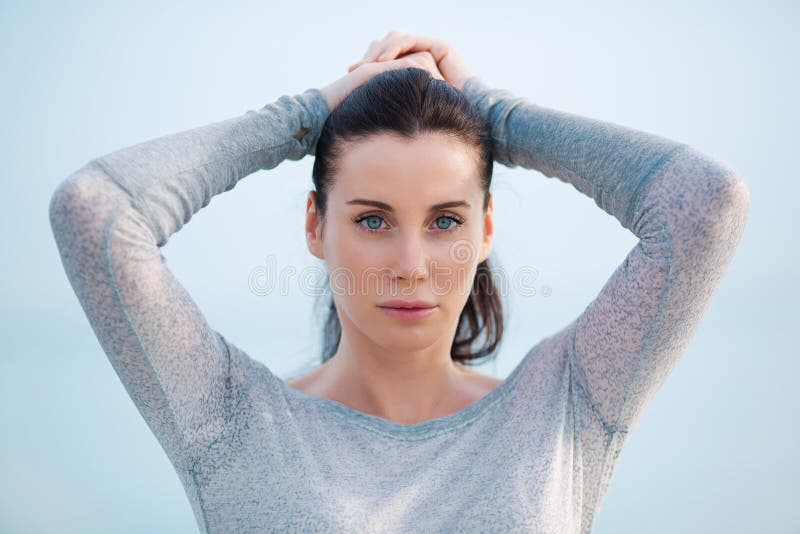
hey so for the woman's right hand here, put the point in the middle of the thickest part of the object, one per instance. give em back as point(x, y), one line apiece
point(336, 92)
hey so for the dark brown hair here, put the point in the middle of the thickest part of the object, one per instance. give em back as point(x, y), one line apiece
point(405, 103)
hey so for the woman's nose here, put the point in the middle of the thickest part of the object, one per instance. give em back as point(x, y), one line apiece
point(411, 258)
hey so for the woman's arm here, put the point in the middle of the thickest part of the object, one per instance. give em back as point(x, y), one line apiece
point(109, 219)
point(688, 211)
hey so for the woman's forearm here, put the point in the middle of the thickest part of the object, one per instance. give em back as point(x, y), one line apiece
point(170, 178)
point(109, 219)
point(611, 163)
point(688, 211)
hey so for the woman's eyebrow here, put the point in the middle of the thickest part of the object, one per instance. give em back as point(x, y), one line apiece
point(386, 207)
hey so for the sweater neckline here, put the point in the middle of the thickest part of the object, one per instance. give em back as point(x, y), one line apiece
point(425, 429)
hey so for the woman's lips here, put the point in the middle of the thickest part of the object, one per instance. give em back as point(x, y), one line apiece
point(408, 314)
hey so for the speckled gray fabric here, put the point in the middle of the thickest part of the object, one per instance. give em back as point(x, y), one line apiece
point(535, 454)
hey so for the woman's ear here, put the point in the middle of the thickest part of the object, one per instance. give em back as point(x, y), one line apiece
point(488, 231)
point(313, 226)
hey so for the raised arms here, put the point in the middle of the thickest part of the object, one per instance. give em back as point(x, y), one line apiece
point(109, 219)
point(688, 211)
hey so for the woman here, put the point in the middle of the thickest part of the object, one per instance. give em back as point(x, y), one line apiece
point(393, 431)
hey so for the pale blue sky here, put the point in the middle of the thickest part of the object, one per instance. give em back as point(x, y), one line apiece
point(716, 451)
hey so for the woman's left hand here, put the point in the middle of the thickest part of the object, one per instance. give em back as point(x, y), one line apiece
point(395, 44)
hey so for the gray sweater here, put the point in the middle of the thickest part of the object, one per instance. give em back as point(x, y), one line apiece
point(534, 454)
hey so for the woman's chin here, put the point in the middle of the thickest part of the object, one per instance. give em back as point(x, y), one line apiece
point(407, 338)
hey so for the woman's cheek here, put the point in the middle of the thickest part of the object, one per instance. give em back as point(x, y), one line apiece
point(450, 274)
point(349, 256)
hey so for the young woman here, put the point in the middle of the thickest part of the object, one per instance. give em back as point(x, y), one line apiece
point(394, 432)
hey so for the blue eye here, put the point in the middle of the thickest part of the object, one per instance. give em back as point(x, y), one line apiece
point(373, 222)
point(445, 223)
point(448, 221)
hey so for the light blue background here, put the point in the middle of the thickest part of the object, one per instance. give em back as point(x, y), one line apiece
point(716, 451)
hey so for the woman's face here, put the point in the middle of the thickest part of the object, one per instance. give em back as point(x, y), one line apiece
point(404, 221)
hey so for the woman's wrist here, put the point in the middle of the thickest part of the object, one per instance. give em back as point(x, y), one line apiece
point(331, 94)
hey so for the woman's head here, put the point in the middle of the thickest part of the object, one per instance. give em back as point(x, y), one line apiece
point(402, 210)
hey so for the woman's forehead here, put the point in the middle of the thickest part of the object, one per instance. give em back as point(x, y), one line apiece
point(430, 167)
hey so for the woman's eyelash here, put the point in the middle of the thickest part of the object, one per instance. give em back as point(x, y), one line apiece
point(455, 218)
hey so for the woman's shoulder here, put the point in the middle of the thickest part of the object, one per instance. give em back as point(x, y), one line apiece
point(479, 381)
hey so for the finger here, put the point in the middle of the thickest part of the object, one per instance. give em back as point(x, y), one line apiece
point(396, 49)
point(397, 44)
point(365, 58)
point(357, 64)
point(388, 48)
point(382, 52)
point(370, 59)
point(374, 49)
point(383, 49)
point(373, 46)
point(414, 43)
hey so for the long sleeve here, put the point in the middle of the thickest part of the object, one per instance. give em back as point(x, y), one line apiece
point(687, 210)
point(110, 218)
